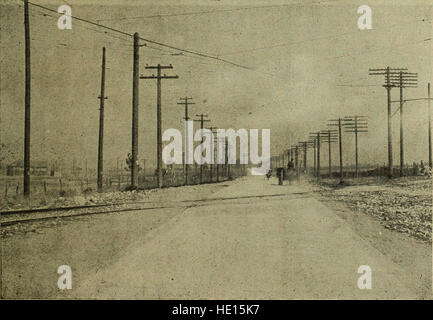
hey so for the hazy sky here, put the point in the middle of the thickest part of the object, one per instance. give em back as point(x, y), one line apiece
point(307, 62)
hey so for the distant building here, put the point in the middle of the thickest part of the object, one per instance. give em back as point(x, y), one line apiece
point(37, 168)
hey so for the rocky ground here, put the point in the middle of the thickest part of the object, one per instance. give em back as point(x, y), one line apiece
point(403, 204)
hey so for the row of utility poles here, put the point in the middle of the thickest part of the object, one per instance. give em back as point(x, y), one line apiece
point(394, 78)
point(354, 124)
point(159, 76)
point(184, 101)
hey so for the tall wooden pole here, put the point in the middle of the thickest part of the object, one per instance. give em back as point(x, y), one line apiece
point(296, 163)
point(315, 157)
point(318, 157)
point(429, 127)
point(158, 78)
point(101, 125)
point(356, 147)
point(329, 155)
point(340, 145)
point(159, 127)
point(135, 81)
point(305, 157)
point(186, 103)
point(401, 125)
point(388, 91)
point(26, 184)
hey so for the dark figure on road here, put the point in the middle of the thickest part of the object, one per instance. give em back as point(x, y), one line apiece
point(280, 175)
point(290, 170)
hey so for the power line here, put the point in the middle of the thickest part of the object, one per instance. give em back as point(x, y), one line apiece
point(316, 39)
point(147, 40)
point(193, 13)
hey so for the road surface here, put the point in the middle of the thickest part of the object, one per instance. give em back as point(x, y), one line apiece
point(256, 240)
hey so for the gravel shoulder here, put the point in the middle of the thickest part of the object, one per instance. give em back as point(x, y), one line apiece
point(395, 219)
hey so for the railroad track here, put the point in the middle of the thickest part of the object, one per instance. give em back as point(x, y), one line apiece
point(182, 204)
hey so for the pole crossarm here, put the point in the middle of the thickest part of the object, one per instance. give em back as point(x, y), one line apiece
point(416, 99)
point(159, 77)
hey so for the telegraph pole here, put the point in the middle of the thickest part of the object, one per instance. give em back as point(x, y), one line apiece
point(401, 124)
point(158, 78)
point(212, 153)
point(338, 122)
point(312, 144)
point(403, 80)
point(202, 121)
point(217, 153)
point(185, 102)
point(388, 72)
point(26, 184)
point(296, 163)
point(318, 156)
point(356, 124)
point(304, 145)
point(429, 127)
point(101, 98)
point(316, 138)
point(135, 81)
point(227, 169)
point(407, 83)
point(329, 136)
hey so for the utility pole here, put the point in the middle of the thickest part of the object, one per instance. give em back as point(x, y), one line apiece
point(388, 72)
point(218, 139)
point(296, 163)
point(338, 122)
point(329, 136)
point(26, 184)
point(401, 124)
point(356, 124)
point(212, 153)
point(318, 156)
point(312, 144)
point(158, 78)
point(305, 156)
point(429, 127)
point(101, 98)
point(403, 80)
point(227, 158)
point(135, 82)
point(202, 121)
point(185, 102)
point(412, 84)
point(304, 145)
point(316, 138)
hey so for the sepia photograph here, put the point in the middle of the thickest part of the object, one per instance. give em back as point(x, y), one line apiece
point(236, 150)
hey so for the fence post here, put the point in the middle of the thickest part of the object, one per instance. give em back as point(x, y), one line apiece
point(45, 187)
point(18, 188)
point(6, 190)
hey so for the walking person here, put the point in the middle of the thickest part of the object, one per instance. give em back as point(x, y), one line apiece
point(290, 170)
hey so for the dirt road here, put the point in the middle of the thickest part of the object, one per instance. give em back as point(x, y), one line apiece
point(256, 240)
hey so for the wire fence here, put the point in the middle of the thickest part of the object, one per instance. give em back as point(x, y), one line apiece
point(371, 171)
point(49, 187)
